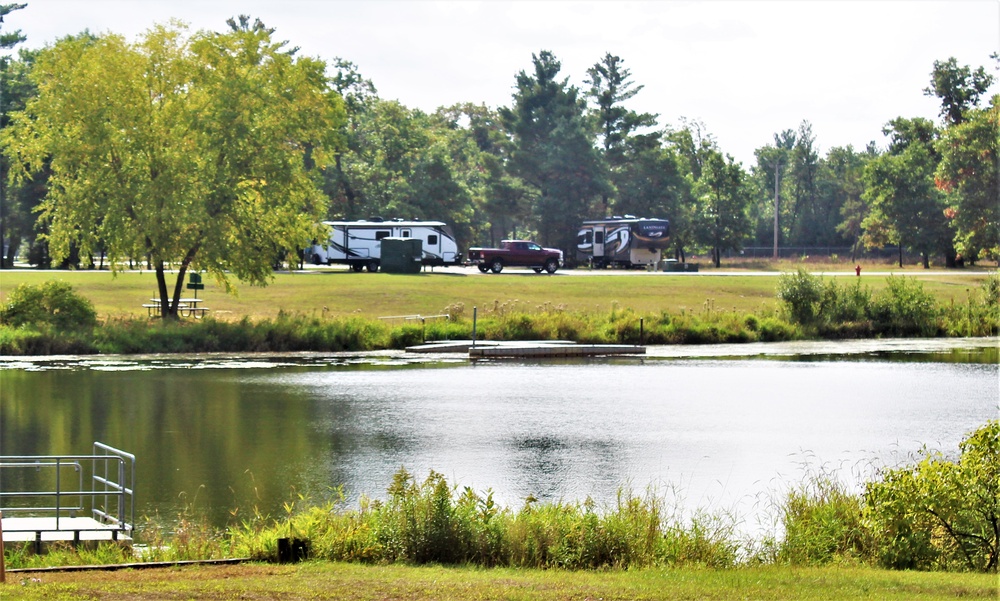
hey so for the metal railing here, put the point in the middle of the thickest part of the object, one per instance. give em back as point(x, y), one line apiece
point(111, 498)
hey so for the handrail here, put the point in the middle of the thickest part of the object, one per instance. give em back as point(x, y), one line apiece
point(111, 483)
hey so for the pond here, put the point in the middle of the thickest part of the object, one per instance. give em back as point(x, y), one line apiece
point(713, 427)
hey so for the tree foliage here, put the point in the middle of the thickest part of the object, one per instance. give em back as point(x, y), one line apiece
point(553, 151)
point(941, 513)
point(906, 206)
point(969, 176)
point(194, 152)
point(958, 87)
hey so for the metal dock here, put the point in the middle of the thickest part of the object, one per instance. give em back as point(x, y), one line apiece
point(68, 498)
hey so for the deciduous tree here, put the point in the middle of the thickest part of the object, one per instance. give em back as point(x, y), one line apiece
point(969, 175)
point(192, 151)
point(906, 207)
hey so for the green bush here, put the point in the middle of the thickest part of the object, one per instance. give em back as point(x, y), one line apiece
point(801, 293)
point(940, 514)
point(904, 308)
point(50, 303)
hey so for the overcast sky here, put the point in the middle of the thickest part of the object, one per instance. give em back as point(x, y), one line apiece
point(745, 69)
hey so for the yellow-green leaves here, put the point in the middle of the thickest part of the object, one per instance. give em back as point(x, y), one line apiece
point(187, 151)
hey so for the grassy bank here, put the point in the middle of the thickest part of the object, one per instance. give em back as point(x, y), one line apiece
point(334, 581)
point(339, 293)
point(56, 317)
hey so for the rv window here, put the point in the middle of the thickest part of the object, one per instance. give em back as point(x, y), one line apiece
point(598, 237)
point(432, 239)
point(406, 233)
point(379, 234)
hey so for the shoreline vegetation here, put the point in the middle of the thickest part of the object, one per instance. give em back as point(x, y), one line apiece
point(938, 513)
point(54, 317)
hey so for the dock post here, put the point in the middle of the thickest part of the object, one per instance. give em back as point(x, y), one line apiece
point(3, 571)
point(641, 336)
point(474, 313)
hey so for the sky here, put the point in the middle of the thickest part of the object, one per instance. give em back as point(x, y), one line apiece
point(745, 70)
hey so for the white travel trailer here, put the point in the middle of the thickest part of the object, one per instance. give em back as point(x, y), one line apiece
point(359, 243)
point(622, 241)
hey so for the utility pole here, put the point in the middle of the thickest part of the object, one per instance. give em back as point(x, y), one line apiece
point(777, 178)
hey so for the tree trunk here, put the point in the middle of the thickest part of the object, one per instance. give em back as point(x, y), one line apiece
point(927, 264)
point(900, 256)
point(161, 288)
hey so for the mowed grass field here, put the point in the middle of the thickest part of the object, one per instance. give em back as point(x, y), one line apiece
point(339, 292)
point(324, 580)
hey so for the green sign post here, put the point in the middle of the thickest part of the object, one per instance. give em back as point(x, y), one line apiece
point(194, 283)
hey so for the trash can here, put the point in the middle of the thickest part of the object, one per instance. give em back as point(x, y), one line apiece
point(402, 255)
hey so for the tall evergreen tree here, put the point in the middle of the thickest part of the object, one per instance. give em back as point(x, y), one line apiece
point(553, 151)
point(610, 87)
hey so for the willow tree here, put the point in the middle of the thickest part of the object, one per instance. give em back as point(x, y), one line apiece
point(190, 152)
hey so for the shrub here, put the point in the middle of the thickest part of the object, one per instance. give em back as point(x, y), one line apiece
point(904, 308)
point(940, 514)
point(51, 303)
point(801, 294)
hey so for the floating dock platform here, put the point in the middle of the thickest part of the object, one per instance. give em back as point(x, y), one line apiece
point(527, 349)
point(47, 530)
point(555, 350)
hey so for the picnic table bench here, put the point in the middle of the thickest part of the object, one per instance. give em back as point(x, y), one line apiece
point(186, 307)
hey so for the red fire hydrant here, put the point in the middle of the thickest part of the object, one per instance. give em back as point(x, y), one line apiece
point(857, 270)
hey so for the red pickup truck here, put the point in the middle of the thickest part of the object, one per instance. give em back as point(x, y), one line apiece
point(516, 253)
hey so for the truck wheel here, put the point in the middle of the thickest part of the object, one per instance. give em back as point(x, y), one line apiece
point(372, 266)
point(496, 266)
point(551, 265)
point(484, 268)
point(537, 269)
point(357, 267)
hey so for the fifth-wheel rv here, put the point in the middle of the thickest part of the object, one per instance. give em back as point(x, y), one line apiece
point(622, 241)
point(359, 243)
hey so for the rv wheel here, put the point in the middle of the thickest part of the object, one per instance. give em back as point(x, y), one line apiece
point(484, 268)
point(496, 266)
point(372, 266)
point(537, 269)
point(551, 265)
point(316, 260)
point(357, 267)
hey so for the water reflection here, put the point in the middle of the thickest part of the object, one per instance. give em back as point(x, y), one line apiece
point(230, 434)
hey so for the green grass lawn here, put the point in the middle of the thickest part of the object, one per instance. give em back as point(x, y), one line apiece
point(323, 580)
point(338, 292)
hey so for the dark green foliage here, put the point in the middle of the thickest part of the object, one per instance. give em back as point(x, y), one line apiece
point(50, 304)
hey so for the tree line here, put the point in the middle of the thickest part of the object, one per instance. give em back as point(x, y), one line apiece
point(220, 151)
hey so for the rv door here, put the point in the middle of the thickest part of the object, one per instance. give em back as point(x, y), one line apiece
point(598, 241)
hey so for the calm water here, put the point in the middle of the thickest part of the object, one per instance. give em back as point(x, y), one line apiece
point(226, 434)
